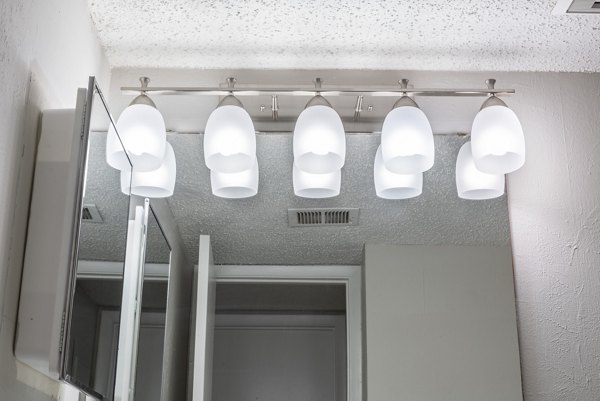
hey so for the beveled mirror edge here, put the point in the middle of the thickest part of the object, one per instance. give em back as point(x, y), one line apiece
point(84, 107)
point(82, 120)
point(179, 304)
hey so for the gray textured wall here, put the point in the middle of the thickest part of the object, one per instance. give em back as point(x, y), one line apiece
point(47, 50)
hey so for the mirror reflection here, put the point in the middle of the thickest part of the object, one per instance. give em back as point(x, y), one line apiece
point(296, 339)
point(151, 337)
point(277, 341)
point(90, 361)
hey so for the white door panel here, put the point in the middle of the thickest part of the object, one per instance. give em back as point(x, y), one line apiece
point(204, 329)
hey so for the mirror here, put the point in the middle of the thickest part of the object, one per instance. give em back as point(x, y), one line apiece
point(92, 327)
point(256, 232)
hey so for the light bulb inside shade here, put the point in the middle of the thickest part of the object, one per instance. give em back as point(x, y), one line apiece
point(229, 140)
point(159, 183)
point(143, 135)
point(308, 185)
point(497, 140)
point(319, 140)
point(390, 185)
point(471, 183)
point(235, 185)
point(407, 141)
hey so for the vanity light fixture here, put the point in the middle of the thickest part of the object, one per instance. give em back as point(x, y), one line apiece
point(229, 137)
point(319, 138)
point(141, 131)
point(235, 185)
point(316, 186)
point(389, 185)
point(406, 137)
point(471, 183)
point(497, 143)
point(159, 183)
point(497, 139)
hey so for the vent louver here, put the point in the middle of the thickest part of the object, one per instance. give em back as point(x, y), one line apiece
point(577, 7)
point(322, 217)
point(90, 214)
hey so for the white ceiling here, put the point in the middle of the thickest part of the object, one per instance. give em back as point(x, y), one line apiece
point(469, 35)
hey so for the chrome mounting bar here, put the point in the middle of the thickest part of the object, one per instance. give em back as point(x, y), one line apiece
point(303, 90)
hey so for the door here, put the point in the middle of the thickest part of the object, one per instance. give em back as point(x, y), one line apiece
point(129, 326)
point(205, 321)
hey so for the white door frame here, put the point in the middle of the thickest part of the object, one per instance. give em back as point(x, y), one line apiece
point(347, 275)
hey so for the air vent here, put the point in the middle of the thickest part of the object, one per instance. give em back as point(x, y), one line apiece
point(90, 214)
point(322, 217)
point(577, 7)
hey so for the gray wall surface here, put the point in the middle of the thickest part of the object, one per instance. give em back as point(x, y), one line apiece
point(47, 51)
point(440, 324)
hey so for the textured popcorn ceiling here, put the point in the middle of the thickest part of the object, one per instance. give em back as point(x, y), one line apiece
point(255, 230)
point(514, 35)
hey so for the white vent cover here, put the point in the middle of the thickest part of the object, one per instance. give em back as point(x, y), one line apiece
point(577, 7)
point(90, 214)
point(323, 217)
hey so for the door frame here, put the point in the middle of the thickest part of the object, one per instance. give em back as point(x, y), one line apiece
point(347, 275)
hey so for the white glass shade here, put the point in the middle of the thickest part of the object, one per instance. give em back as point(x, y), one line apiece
point(229, 140)
point(497, 140)
point(407, 141)
point(159, 183)
point(235, 185)
point(390, 185)
point(144, 136)
point(308, 185)
point(471, 183)
point(319, 140)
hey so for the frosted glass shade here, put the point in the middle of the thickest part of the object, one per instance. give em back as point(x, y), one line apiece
point(471, 183)
point(407, 141)
point(390, 185)
point(497, 140)
point(144, 136)
point(308, 185)
point(319, 140)
point(235, 185)
point(229, 140)
point(159, 183)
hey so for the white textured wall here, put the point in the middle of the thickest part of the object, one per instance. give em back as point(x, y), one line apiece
point(47, 50)
point(554, 206)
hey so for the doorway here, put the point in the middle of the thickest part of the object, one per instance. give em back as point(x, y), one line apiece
point(279, 341)
point(287, 332)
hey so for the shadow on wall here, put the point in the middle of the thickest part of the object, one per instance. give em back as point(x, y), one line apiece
point(18, 381)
